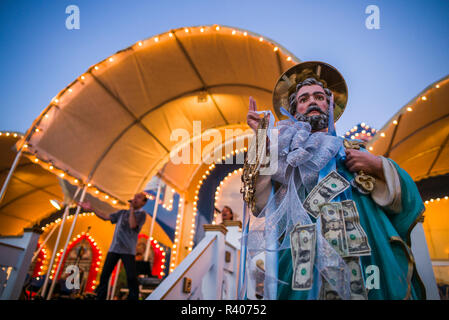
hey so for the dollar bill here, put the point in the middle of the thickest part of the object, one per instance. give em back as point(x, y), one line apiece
point(327, 189)
point(358, 290)
point(356, 237)
point(327, 290)
point(303, 242)
point(333, 227)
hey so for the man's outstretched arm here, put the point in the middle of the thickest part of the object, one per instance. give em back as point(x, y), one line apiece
point(87, 206)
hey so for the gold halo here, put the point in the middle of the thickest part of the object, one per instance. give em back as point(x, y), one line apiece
point(328, 75)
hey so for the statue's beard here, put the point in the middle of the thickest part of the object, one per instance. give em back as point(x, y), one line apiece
point(317, 121)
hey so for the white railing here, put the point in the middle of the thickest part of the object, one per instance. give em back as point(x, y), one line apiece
point(209, 272)
point(15, 259)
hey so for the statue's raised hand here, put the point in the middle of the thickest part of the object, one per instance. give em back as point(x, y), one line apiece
point(253, 118)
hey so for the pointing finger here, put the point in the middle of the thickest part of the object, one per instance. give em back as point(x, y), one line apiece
point(252, 104)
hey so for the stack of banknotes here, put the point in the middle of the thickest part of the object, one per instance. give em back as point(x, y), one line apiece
point(340, 226)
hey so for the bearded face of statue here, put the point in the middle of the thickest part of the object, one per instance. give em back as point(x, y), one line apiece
point(310, 103)
point(312, 106)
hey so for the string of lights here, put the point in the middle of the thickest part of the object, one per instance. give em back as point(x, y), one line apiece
point(408, 108)
point(361, 131)
point(436, 200)
point(41, 261)
point(178, 234)
point(11, 134)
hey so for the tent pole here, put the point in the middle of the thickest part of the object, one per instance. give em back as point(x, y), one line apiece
point(10, 173)
point(156, 206)
point(55, 248)
point(69, 236)
point(43, 243)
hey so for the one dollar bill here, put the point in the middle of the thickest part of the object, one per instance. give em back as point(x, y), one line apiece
point(327, 189)
point(358, 290)
point(333, 227)
point(303, 242)
point(357, 240)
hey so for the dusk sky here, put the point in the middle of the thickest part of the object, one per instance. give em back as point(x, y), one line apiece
point(384, 68)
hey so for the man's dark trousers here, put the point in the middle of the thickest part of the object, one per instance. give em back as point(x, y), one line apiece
point(129, 261)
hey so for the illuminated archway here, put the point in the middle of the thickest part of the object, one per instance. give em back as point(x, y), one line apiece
point(95, 262)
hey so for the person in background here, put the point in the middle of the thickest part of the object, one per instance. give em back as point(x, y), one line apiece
point(227, 214)
point(123, 246)
point(143, 267)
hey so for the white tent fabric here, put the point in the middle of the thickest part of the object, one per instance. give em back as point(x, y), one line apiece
point(417, 136)
point(111, 127)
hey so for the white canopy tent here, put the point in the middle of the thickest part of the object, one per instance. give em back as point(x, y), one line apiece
point(111, 127)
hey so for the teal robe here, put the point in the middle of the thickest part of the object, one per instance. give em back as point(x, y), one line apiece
point(389, 238)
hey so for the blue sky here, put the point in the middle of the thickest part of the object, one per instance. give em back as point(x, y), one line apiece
point(384, 68)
